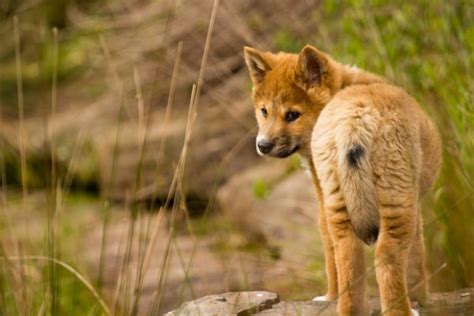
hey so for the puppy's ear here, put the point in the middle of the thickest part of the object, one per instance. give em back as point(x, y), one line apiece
point(258, 64)
point(312, 67)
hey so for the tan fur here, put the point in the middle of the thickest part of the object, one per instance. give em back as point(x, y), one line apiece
point(372, 153)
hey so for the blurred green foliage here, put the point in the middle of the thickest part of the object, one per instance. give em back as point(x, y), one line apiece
point(36, 22)
point(261, 189)
point(38, 60)
point(285, 41)
point(81, 177)
point(56, 13)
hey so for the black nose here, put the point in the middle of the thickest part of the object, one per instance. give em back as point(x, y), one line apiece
point(265, 146)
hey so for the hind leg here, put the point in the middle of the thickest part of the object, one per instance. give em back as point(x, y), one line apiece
point(416, 277)
point(397, 229)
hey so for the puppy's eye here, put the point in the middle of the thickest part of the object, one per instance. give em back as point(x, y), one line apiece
point(291, 116)
point(264, 112)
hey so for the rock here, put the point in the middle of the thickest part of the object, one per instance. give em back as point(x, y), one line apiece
point(285, 217)
point(252, 303)
point(195, 267)
point(233, 303)
point(215, 136)
point(301, 308)
point(455, 303)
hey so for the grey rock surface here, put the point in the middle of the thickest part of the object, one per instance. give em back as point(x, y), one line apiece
point(456, 303)
point(233, 303)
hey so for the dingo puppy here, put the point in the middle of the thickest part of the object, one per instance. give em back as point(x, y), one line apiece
point(372, 152)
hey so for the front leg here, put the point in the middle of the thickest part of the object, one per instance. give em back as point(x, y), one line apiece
point(329, 255)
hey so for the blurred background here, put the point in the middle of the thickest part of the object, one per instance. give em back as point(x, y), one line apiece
point(129, 178)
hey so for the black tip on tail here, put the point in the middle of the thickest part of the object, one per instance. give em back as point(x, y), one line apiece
point(368, 235)
point(354, 154)
point(372, 236)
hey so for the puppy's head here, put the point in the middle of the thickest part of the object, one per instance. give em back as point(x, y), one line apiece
point(289, 92)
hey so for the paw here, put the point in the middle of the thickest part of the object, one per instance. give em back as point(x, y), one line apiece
point(320, 299)
point(414, 312)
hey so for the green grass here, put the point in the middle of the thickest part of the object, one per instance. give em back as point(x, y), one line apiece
point(74, 298)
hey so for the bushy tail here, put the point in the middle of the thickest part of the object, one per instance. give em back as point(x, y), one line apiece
point(356, 180)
